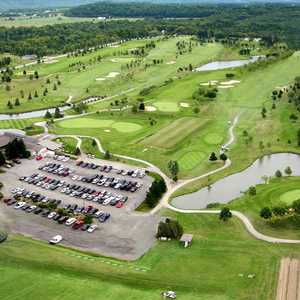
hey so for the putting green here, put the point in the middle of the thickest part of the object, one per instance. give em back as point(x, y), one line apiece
point(290, 196)
point(126, 127)
point(95, 123)
point(213, 138)
point(167, 106)
point(191, 159)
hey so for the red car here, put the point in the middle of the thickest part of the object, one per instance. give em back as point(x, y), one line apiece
point(120, 204)
point(39, 157)
point(77, 224)
point(6, 200)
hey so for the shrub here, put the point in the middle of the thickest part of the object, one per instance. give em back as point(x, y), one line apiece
point(169, 229)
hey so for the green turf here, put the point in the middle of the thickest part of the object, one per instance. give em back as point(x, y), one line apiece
point(207, 270)
point(69, 144)
point(213, 138)
point(166, 106)
point(82, 123)
point(290, 196)
point(190, 160)
point(277, 192)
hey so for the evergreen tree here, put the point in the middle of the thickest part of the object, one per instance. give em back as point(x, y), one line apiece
point(213, 157)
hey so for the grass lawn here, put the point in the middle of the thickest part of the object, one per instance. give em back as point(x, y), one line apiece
point(69, 144)
point(207, 270)
point(19, 123)
point(278, 191)
point(88, 147)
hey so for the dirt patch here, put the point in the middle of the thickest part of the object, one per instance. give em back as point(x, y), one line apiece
point(100, 79)
point(288, 287)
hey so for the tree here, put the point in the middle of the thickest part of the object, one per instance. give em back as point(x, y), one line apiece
point(296, 206)
point(48, 115)
point(263, 112)
point(88, 219)
point(169, 229)
point(107, 154)
point(2, 159)
point(266, 213)
point(223, 157)
point(17, 102)
point(278, 174)
point(142, 106)
point(225, 214)
point(252, 190)
point(9, 105)
point(173, 168)
point(77, 151)
point(279, 211)
point(134, 109)
point(57, 113)
point(36, 94)
point(298, 137)
point(94, 143)
point(213, 157)
point(288, 171)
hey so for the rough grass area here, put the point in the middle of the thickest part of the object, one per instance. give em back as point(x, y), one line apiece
point(278, 191)
point(69, 144)
point(88, 147)
point(174, 133)
point(208, 270)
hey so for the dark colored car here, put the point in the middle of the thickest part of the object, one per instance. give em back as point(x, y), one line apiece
point(62, 219)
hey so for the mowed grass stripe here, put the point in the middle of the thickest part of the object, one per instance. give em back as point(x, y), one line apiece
point(174, 133)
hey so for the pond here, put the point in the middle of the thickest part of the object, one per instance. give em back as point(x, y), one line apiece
point(31, 114)
point(232, 187)
point(220, 65)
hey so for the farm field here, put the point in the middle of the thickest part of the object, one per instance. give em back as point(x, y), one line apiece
point(40, 21)
point(198, 272)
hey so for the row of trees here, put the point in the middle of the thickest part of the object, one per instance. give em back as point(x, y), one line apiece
point(157, 189)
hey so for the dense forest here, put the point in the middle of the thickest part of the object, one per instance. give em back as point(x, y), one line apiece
point(270, 22)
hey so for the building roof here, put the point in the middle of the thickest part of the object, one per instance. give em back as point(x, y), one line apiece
point(186, 238)
point(4, 140)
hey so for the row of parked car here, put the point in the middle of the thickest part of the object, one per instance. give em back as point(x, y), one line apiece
point(68, 221)
point(116, 183)
point(54, 168)
point(107, 169)
point(74, 190)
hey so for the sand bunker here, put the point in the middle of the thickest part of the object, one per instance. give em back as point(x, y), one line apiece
point(150, 108)
point(184, 104)
point(112, 74)
point(172, 62)
point(230, 82)
point(225, 86)
point(48, 62)
point(113, 60)
point(211, 82)
point(106, 130)
point(100, 79)
point(114, 46)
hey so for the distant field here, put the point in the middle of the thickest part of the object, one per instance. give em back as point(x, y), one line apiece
point(41, 21)
point(174, 133)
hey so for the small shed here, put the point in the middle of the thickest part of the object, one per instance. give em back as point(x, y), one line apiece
point(186, 239)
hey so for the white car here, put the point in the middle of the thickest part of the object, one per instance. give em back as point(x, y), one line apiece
point(70, 221)
point(19, 205)
point(75, 177)
point(56, 239)
point(92, 228)
point(52, 215)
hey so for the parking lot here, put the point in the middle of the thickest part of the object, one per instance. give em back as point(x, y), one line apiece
point(82, 188)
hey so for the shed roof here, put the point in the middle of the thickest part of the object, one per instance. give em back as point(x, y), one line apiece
point(186, 238)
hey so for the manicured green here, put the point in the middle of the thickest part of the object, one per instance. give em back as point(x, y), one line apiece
point(290, 196)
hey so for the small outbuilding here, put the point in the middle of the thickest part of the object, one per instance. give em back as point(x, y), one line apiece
point(186, 239)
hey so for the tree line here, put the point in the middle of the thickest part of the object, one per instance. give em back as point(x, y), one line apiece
point(272, 23)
